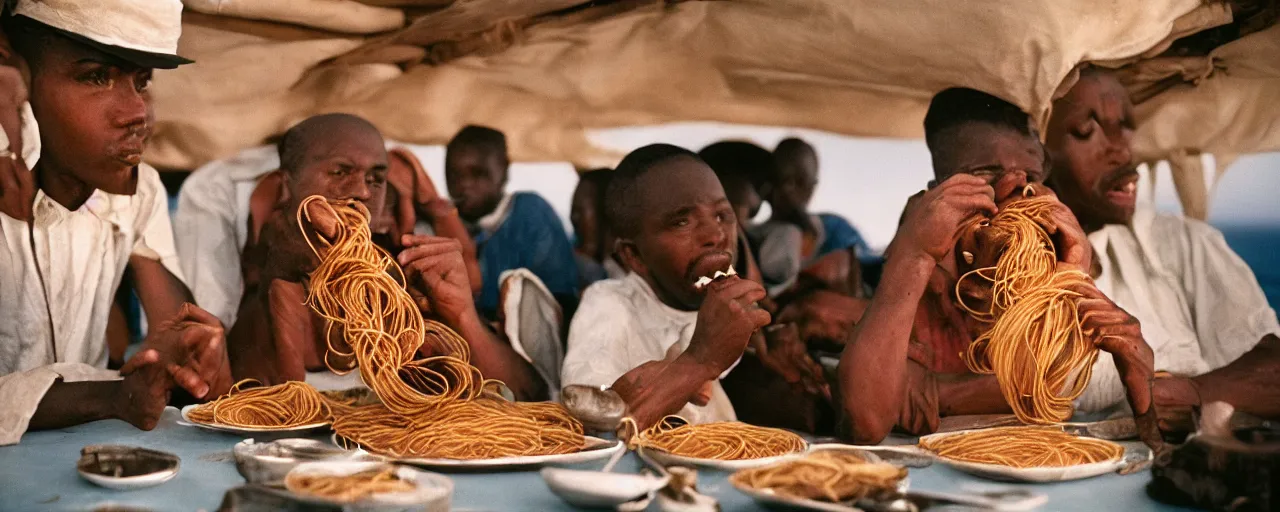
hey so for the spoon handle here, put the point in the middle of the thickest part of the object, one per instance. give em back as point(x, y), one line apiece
point(613, 461)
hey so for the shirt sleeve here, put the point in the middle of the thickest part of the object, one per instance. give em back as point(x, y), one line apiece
point(598, 339)
point(155, 232)
point(21, 393)
point(1230, 311)
point(779, 256)
point(208, 250)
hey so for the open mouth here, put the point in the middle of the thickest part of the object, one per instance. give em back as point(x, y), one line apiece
point(703, 281)
point(1123, 191)
point(707, 266)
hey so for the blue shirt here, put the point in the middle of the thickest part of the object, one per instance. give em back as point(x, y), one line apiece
point(532, 237)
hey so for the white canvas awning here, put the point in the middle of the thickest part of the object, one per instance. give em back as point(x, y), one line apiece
point(545, 71)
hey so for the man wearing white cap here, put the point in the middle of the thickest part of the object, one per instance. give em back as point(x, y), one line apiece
point(94, 210)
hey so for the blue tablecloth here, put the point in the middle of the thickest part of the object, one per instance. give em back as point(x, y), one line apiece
point(39, 474)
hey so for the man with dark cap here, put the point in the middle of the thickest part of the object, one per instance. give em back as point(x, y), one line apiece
point(97, 210)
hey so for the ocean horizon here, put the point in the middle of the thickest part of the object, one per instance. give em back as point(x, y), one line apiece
point(1259, 247)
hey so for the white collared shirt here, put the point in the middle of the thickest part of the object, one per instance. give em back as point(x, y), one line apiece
point(1199, 304)
point(620, 325)
point(58, 278)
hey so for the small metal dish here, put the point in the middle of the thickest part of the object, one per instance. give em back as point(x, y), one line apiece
point(268, 463)
point(126, 467)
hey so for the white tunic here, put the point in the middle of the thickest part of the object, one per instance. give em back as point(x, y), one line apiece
point(1199, 304)
point(621, 325)
point(58, 278)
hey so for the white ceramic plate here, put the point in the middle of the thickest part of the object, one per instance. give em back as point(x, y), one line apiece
point(132, 482)
point(595, 449)
point(1133, 452)
point(767, 497)
point(250, 431)
point(432, 492)
point(669, 459)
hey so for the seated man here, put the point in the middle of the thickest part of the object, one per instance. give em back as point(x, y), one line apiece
point(593, 243)
point(94, 211)
point(511, 231)
point(277, 337)
point(1200, 306)
point(212, 223)
point(793, 240)
point(658, 340)
point(984, 151)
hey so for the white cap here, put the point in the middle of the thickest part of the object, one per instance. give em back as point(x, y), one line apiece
point(144, 32)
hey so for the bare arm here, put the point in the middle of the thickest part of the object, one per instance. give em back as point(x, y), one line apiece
point(73, 403)
point(162, 294)
point(660, 388)
point(1248, 383)
point(873, 365)
point(496, 359)
point(439, 283)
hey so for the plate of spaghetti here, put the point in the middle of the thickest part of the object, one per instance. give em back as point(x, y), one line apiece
point(371, 486)
point(248, 408)
point(728, 445)
point(1030, 453)
point(823, 479)
point(434, 407)
point(593, 449)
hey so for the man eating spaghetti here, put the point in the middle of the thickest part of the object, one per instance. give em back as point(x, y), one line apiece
point(902, 366)
point(276, 337)
point(655, 337)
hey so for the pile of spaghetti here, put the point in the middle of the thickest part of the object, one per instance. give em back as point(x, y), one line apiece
point(1023, 447)
point(828, 475)
point(1035, 347)
point(287, 405)
point(435, 406)
point(729, 440)
point(347, 488)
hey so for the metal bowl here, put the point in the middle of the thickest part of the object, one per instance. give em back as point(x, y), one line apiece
point(126, 467)
point(268, 463)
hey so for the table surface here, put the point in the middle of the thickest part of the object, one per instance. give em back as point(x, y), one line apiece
point(39, 474)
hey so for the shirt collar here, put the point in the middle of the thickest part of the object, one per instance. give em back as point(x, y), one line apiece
point(102, 205)
point(490, 223)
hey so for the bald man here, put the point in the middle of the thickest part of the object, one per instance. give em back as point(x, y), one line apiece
point(277, 338)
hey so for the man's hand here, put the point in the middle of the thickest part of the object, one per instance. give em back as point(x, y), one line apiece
point(726, 320)
point(1069, 238)
point(780, 349)
point(288, 256)
point(824, 317)
point(17, 184)
point(191, 349)
point(931, 225)
point(1117, 332)
point(143, 394)
point(437, 277)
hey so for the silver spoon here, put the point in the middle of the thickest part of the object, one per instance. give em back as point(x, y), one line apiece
point(601, 488)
